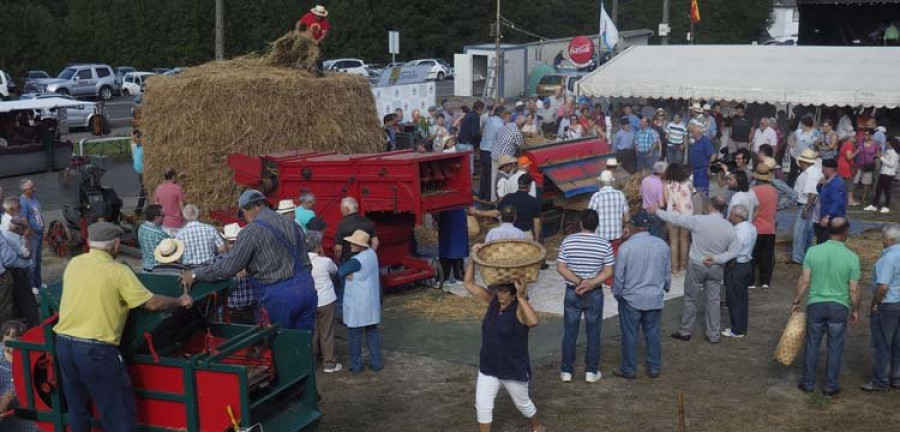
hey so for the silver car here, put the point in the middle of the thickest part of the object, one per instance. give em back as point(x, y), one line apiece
point(78, 117)
point(79, 80)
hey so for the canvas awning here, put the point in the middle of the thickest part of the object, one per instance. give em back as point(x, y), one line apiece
point(42, 103)
point(805, 75)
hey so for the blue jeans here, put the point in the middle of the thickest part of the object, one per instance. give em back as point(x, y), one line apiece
point(292, 302)
point(802, 237)
point(886, 345)
point(629, 319)
point(93, 371)
point(37, 246)
point(591, 305)
point(824, 318)
point(646, 160)
point(373, 342)
point(675, 154)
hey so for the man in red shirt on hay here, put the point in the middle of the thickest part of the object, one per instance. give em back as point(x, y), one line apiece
point(315, 24)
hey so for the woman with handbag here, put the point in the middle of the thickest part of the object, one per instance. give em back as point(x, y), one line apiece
point(865, 162)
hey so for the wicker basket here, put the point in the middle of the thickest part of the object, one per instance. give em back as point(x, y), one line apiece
point(791, 342)
point(473, 226)
point(510, 260)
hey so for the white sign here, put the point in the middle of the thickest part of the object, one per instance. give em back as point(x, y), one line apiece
point(393, 42)
point(664, 30)
point(404, 75)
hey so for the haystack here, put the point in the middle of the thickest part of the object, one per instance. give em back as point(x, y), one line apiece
point(252, 105)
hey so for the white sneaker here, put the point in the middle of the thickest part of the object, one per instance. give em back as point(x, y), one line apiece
point(870, 207)
point(751, 286)
point(35, 290)
point(728, 333)
point(885, 210)
point(565, 377)
point(337, 368)
point(765, 286)
point(592, 377)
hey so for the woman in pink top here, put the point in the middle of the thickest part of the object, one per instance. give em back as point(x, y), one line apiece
point(678, 191)
point(170, 196)
point(764, 250)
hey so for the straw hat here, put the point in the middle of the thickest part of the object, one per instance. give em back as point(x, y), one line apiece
point(770, 163)
point(168, 251)
point(231, 231)
point(286, 206)
point(808, 156)
point(506, 160)
point(612, 163)
point(696, 107)
point(319, 10)
point(607, 177)
point(707, 107)
point(359, 238)
point(762, 172)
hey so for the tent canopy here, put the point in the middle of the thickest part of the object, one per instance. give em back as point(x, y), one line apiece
point(805, 75)
point(42, 103)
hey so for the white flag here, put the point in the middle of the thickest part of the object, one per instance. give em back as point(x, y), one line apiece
point(609, 34)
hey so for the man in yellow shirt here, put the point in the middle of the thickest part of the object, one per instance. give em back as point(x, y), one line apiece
point(97, 295)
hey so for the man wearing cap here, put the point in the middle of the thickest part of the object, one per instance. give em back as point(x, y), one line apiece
point(202, 242)
point(150, 234)
point(362, 301)
point(507, 229)
point(807, 195)
point(832, 202)
point(585, 262)
point(97, 295)
point(612, 206)
point(741, 128)
point(652, 195)
point(738, 271)
point(647, 145)
point(272, 249)
point(641, 281)
point(698, 119)
point(764, 250)
point(619, 174)
point(623, 145)
point(714, 243)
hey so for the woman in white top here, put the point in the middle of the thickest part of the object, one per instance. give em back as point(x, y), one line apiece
point(531, 128)
point(438, 132)
point(678, 194)
point(889, 167)
point(575, 130)
point(323, 269)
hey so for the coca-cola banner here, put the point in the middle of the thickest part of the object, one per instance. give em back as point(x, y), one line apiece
point(581, 51)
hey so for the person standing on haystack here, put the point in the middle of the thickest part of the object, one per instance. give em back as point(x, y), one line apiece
point(315, 24)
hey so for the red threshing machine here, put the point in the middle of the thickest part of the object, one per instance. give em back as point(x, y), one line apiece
point(394, 189)
point(190, 372)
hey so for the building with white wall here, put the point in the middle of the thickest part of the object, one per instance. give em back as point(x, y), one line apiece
point(785, 20)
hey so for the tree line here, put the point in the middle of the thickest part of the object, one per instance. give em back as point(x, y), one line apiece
point(48, 34)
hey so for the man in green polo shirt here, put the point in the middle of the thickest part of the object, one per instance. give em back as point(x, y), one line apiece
point(831, 275)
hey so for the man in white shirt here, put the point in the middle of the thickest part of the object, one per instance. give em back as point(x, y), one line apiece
point(764, 135)
point(805, 186)
point(737, 272)
point(507, 230)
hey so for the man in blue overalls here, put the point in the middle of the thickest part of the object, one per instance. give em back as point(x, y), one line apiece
point(273, 250)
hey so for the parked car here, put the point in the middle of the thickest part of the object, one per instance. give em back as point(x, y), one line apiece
point(439, 68)
point(78, 117)
point(7, 85)
point(32, 75)
point(173, 71)
point(549, 84)
point(133, 82)
point(348, 65)
point(79, 80)
point(120, 75)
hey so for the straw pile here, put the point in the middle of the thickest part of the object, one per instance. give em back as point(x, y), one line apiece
point(632, 191)
point(252, 105)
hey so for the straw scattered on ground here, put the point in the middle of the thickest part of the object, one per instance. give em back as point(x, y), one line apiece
point(868, 246)
point(436, 305)
point(192, 121)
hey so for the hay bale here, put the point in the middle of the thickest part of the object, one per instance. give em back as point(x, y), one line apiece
point(192, 121)
point(632, 191)
point(293, 50)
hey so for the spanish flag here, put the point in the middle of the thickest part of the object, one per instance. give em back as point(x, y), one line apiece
point(695, 12)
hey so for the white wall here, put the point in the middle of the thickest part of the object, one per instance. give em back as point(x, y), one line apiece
point(783, 24)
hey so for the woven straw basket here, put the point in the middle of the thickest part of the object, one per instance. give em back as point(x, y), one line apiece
point(791, 342)
point(473, 226)
point(510, 260)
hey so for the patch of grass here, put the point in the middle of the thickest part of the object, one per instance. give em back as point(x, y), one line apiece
point(119, 149)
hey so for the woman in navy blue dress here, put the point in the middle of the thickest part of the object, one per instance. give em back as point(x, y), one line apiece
point(453, 243)
point(504, 357)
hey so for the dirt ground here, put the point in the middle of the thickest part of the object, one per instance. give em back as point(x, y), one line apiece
point(731, 386)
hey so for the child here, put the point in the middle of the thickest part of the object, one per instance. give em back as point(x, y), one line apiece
point(323, 269)
point(449, 144)
point(11, 331)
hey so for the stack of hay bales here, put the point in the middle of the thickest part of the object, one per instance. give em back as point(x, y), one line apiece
point(252, 105)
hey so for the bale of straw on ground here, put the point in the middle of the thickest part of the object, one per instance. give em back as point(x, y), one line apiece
point(192, 121)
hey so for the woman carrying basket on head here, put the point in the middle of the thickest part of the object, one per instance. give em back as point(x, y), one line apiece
point(504, 359)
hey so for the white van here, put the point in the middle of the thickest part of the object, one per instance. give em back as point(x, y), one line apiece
point(133, 82)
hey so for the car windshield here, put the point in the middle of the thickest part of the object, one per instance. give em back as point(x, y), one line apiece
point(443, 63)
point(67, 73)
point(551, 80)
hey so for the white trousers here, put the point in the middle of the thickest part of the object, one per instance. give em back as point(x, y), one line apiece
point(486, 390)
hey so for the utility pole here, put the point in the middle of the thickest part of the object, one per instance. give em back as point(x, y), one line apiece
point(615, 12)
point(220, 30)
point(665, 21)
point(497, 57)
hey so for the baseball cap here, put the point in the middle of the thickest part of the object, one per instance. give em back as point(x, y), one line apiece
point(250, 196)
point(525, 179)
point(829, 163)
point(641, 219)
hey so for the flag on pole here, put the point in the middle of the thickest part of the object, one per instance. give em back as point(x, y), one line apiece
point(609, 34)
point(695, 12)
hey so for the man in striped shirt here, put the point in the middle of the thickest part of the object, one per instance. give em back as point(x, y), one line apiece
point(612, 206)
point(642, 278)
point(676, 132)
point(585, 261)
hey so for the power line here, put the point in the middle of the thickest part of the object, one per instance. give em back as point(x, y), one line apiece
point(513, 26)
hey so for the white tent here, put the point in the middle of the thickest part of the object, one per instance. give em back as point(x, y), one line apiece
point(40, 103)
point(805, 75)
